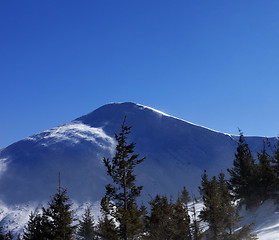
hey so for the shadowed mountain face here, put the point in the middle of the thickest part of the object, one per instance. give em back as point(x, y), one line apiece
point(177, 152)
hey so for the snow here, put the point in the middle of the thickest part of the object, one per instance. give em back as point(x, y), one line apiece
point(176, 151)
point(3, 165)
point(266, 219)
point(74, 132)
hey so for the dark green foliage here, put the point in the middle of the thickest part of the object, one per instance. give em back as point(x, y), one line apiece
point(180, 224)
point(86, 230)
point(36, 228)
point(60, 214)
point(54, 223)
point(195, 227)
point(168, 220)
point(7, 236)
point(219, 211)
point(275, 161)
point(106, 229)
point(158, 223)
point(244, 174)
point(120, 199)
point(267, 176)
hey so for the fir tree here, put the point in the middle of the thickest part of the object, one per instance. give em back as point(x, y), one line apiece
point(275, 161)
point(7, 236)
point(86, 230)
point(159, 221)
point(59, 216)
point(35, 228)
point(106, 229)
point(244, 174)
point(195, 226)
point(267, 176)
point(122, 194)
point(219, 211)
point(180, 222)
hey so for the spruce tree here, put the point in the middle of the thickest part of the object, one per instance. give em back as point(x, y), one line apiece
point(244, 174)
point(106, 229)
point(7, 236)
point(180, 222)
point(219, 211)
point(121, 196)
point(36, 228)
point(1, 233)
point(267, 176)
point(196, 231)
point(86, 229)
point(211, 212)
point(275, 161)
point(60, 217)
point(159, 220)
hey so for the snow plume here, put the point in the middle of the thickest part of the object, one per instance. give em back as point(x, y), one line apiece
point(74, 132)
point(3, 165)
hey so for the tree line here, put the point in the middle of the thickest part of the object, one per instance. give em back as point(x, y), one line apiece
point(255, 179)
point(167, 219)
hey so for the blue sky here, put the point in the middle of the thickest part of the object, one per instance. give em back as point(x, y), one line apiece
point(214, 63)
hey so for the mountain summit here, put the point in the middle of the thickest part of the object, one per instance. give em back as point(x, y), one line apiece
point(176, 151)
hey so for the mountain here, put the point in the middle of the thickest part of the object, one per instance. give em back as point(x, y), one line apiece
point(176, 151)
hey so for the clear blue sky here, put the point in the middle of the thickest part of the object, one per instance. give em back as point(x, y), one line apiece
point(214, 63)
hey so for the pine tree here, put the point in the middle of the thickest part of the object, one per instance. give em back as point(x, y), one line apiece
point(180, 222)
point(122, 194)
point(211, 212)
point(86, 230)
point(267, 176)
point(106, 229)
point(244, 174)
point(219, 211)
point(1, 233)
point(275, 161)
point(60, 217)
point(159, 220)
point(35, 228)
point(7, 236)
point(196, 230)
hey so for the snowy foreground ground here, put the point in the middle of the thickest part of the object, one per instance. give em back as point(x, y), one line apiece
point(266, 217)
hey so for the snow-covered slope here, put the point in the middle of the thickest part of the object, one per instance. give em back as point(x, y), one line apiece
point(176, 151)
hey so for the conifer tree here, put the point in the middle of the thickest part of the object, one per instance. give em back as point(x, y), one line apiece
point(7, 236)
point(36, 228)
point(86, 230)
point(275, 161)
point(1, 233)
point(219, 211)
point(159, 220)
point(244, 174)
point(60, 215)
point(180, 222)
point(196, 230)
point(121, 196)
point(267, 176)
point(106, 229)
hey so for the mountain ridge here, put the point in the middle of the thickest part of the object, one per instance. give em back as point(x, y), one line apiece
point(176, 151)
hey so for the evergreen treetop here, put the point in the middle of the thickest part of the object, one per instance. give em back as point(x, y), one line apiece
point(120, 199)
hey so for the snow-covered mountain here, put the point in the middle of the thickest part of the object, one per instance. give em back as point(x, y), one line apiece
point(176, 151)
